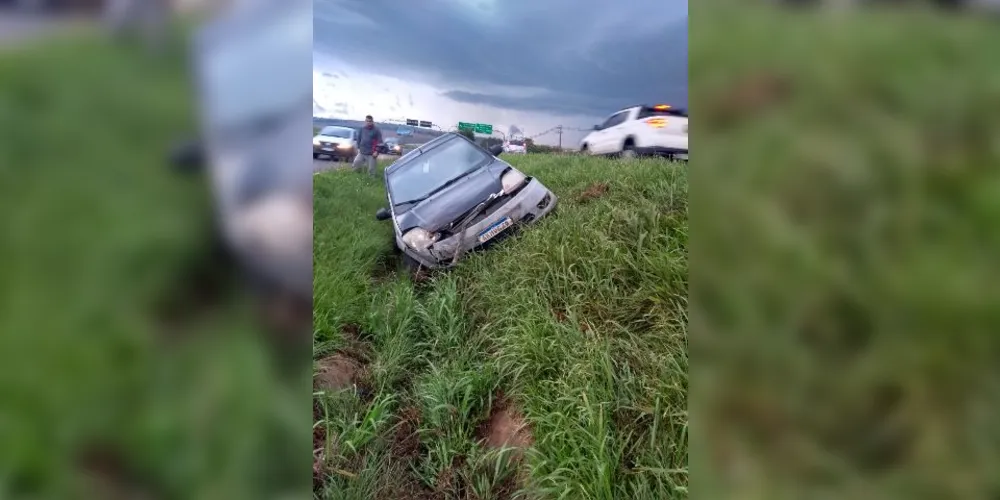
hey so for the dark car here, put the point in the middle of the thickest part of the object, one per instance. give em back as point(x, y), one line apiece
point(390, 147)
point(451, 196)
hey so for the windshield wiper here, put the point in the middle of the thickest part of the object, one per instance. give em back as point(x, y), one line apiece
point(411, 202)
point(435, 191)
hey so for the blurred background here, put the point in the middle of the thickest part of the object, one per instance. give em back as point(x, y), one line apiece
point(844, 299)
point(843, 278)
point(154, 339)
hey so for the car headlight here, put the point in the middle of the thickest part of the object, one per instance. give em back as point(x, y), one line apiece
point(343, 146)
point(420, 239)
point(512, 180)
point(315, 141)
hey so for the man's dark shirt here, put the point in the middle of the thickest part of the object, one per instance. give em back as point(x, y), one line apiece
point(369, 140)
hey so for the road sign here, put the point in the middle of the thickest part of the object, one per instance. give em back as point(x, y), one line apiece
point(425, 124)
point(412, 123)
point(479, 128)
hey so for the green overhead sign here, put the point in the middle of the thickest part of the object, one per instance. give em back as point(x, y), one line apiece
point(479, 128)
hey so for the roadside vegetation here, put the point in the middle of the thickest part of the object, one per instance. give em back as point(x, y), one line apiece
point(127, 368)
point(552, 366)
point(845, 295)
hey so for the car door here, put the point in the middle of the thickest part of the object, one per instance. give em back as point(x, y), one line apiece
point(610, 136)
point(595, 140)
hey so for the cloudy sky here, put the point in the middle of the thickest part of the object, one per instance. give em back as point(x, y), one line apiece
point(530, 64)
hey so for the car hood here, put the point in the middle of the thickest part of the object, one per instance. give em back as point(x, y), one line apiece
point(444, 207)
point(334, 140)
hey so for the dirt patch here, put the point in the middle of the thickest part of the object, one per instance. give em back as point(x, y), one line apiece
point(748, 97)
point(506, 427)
point(404, 438)
point(446, 482)
point(319, 449)
point(108, 474)
point(355, 344)
point(337, 372)
point(351, 332)
point(593, 192)
point(560, 315)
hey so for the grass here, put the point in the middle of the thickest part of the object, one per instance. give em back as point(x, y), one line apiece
point(844, 300)
point(112, 378)
point(577, 328)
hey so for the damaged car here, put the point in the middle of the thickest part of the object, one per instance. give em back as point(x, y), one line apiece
point(451, 196)
point(250, 137)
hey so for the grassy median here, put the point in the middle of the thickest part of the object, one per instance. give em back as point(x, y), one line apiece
point(552, 365)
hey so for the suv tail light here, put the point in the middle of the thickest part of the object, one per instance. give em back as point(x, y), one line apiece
point(656, 122)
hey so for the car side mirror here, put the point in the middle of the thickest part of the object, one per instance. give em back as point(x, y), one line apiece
point(187, 156)
point(383, 214)
point(496, 149)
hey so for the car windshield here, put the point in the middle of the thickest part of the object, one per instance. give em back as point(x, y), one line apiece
point(341, 132)
point(426, 172)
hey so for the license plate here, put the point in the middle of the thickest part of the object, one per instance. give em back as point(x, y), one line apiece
point(327, 149)
point(495, 229)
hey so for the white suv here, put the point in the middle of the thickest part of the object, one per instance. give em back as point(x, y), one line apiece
point(658, 130)
point(515, 146)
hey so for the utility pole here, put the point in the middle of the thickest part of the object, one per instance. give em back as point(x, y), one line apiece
point(559, 129)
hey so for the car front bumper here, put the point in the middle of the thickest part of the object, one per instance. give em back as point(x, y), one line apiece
point(531, 203)
point(334, 152)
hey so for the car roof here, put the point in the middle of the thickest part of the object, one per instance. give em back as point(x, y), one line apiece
point(675, 109)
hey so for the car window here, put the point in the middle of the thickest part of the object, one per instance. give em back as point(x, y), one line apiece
point(425, 172)
point(615, 119)
point(610, 121)
point(343, 133)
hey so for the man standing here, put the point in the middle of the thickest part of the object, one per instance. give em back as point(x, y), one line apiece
point(368, 143)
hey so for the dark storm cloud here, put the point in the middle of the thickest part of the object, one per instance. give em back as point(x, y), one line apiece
point(587, 56)
point(554, 103)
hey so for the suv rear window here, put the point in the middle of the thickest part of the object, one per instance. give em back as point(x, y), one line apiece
point(648, 111)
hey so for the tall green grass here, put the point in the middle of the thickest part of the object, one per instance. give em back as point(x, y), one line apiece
point(844, 300)
point(579, 323)
point(103, 391)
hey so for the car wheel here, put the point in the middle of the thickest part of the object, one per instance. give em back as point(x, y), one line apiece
point(628, 152)
point(584, 149)
point(315, 156)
